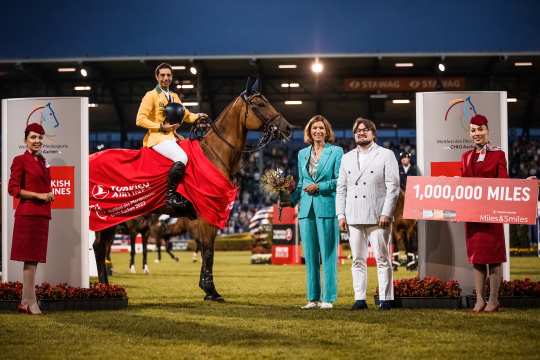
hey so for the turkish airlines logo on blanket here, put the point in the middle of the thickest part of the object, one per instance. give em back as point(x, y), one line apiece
point(100, 192)
point(99, 211)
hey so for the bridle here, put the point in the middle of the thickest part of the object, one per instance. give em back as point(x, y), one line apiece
point(270, 130)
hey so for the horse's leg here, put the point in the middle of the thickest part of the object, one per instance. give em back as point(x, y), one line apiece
point(108, 260)
point(411, 246)
point(206, 234)
point(411, 237)
point(158, 248)
point(168, 247)
point(100, 254)
point(103, 240)
point(194, 256)
point(144, 254)
point(132, 253)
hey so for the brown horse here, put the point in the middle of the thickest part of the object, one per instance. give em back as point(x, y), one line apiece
point(224, 145)
point(162, 232)
point(139, 225)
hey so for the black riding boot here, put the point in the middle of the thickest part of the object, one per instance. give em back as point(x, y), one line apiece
point(178, 204)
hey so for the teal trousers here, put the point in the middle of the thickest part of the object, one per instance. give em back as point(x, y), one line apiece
point(320, 239)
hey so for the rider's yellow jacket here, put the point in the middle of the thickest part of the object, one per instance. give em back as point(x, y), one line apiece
point(151, 115)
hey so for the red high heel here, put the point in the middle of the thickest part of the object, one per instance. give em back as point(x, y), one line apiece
point(23, 308)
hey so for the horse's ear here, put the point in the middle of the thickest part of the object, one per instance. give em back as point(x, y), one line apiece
point(256, 87)
point(249, 86)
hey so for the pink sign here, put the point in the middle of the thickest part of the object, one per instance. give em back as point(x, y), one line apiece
point(487, 200)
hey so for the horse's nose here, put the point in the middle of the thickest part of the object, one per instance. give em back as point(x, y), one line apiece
point(287, 129)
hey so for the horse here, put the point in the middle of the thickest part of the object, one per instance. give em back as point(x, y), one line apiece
point(139, 225)
point(223, 144)
point(133, 227)
point(159, 232)
point(403, 230)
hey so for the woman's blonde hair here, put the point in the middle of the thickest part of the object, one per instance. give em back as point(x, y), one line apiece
point(330, 136)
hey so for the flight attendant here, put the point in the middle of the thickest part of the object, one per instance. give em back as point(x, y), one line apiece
point(30, 182)
point(485, 241)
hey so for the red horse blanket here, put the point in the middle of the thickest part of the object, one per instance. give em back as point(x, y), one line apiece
point(128, 183)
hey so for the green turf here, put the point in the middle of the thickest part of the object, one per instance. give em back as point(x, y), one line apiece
point(167, 319)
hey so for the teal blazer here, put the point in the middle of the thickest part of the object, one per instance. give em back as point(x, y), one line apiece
point(327, 172)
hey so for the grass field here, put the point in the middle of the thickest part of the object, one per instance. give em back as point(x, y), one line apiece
point(167, 319)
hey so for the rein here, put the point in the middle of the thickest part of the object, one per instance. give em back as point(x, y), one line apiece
point(270, 131)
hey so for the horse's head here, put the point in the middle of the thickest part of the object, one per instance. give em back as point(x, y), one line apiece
point(261, 115)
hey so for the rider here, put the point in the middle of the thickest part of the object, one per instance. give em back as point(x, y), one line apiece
point(161, 134)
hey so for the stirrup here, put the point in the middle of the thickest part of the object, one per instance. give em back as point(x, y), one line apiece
point(181, 211)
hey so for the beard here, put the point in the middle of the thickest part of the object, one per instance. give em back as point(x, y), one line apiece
point(363, 142)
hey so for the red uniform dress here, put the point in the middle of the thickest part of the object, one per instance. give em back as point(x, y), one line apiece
point(485, 241)
point(31, 229)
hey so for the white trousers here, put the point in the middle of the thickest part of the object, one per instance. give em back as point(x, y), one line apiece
point(379, 238)
point(171, 150)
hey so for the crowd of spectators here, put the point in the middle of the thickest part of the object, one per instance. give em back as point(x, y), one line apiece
point(523, 158)
point(251, 196)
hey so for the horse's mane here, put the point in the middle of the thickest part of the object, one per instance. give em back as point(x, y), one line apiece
point(224, 112)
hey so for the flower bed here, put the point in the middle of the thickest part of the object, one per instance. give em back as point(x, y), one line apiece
point(431, 292)
point(514, 294)
point(64, 297)
point(428, 292)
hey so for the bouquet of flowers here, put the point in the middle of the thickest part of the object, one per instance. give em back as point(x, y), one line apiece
point(275, 181)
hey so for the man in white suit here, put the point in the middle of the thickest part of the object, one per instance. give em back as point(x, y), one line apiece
point(366, 195)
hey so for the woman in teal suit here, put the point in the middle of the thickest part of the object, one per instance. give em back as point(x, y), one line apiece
point(318, 170)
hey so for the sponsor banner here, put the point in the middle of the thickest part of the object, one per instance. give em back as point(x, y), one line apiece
point(286, 248)
point(63, 187)
point(127, 183)
point(283, 234)
point(442, 128)
point(486, 200)
point(403, 84)
point(65, 148)
point(288, 215)
point(286, 254)
point(122, 201)
point(446, 168)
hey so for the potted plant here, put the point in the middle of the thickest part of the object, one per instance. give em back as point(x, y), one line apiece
point(429, 292)
point(517, 293)
point(65, 297)
point(10, 295)
point(51, 298)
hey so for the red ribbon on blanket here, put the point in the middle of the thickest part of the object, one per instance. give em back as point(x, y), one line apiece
point(126, 183)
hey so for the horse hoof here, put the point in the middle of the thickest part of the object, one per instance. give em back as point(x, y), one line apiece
point(132, 269)
point(215, 298)
point(146, 270)
point(156, 261)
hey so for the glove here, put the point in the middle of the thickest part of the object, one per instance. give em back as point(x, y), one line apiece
point(201, 116)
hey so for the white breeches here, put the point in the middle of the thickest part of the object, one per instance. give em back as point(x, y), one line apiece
point(379, 238)
point(171, 150)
